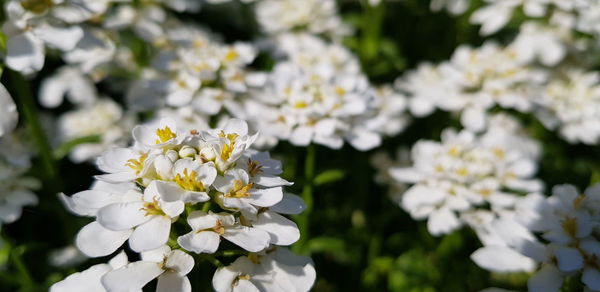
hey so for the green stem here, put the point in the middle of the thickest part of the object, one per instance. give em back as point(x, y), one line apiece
point(303, 219)
point(230, 253)
point(16, 260)
point(24, 99)
point(211, 259)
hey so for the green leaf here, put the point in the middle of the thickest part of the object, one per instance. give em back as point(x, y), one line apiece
point(329, 176)
point(66, 147)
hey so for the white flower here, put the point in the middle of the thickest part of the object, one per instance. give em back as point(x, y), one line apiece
point(66, 257)
point(455, 7)
point(89, 280)
point(571, 103)
point(103, 118)
point(237, 192)
point(316, 17)
point(169, 266)
point(30, 27)
point(538, 42)
point(191, 180)
point(208, 228)
point(277, 270)
point(8, 112)
point(226, 190)
point(472, 82)
point(317, 95)
point(568, 221)
point(465, 171)
point(69, 82)
point(149, 216)
point(16, 188)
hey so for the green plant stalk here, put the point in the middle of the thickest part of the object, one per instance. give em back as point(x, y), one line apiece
point(24, 276)
point(24, 100)
point(303, 220)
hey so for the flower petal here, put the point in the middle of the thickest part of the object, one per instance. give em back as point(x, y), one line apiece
point(150, 235)
point(121, 216)
point(131, 277)
point(96, 241)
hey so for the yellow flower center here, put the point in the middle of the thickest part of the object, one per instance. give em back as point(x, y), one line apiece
point(239, 190)
point(300, 104)
point(189, 181)
point(231, 55)
point(218, 228)
point(164, 135)
point(152, 208)
point(227, 149)
point(137, 165)
point(570, 226)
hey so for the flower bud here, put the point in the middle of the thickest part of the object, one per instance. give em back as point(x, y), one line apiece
point(172, 155)
point(208, 154)
point(187, 151)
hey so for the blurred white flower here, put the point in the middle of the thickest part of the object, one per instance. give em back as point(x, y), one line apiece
point(466, 171)
point(103, 118)
point(571, 104)
point(8, 112)
point(472, 82)
point(313, 16)
point(455, 7)
point(32, 25)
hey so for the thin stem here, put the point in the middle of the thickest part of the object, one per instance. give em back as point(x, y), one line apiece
point(230, 253)
point(24, 99)
point(16, 259)
point(303, 219)
point(211, 259)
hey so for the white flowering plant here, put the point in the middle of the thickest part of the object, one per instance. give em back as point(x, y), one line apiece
point(285, 145)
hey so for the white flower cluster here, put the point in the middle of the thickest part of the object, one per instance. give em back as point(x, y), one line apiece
point(194, 70)
point(319, 95)
point(580, 15)
point(318, 17)
point(32, 25)
point(567, 222)
point(472, 83)
point(16, 188)
point(571, 103)
point(466, 171)
point(105, 119)
point(211, 178)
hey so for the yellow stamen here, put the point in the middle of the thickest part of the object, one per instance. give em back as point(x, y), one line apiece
point(254, 167)
point(254, 258)
point(227, 149)
point(137, 165)
point(152, 208)
point(164, 135)
point(218, 228)
point(239, 190)
point(189, 181)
